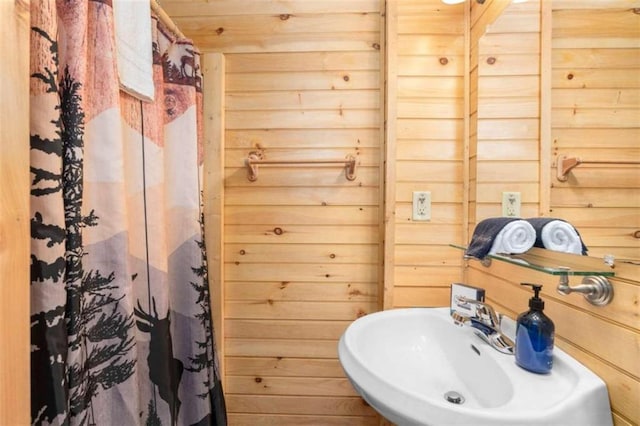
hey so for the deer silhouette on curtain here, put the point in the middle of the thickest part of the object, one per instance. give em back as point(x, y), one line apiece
point(120, 318)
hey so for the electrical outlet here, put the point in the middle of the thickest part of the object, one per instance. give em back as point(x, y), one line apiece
point(511, 204)
point(421, 205)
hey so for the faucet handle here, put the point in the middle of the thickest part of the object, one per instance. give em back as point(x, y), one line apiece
point(459, 319)
point(487, 315)
point(484, 312)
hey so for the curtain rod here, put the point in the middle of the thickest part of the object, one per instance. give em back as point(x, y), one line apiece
point(166, 19)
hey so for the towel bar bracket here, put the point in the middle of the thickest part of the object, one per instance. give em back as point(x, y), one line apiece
point(252, 167)
point(564, 165)
point(350, 167)
point(255, 159)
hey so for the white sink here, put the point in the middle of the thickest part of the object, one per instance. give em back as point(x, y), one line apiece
point(404, 361)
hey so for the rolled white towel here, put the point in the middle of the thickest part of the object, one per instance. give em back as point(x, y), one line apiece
point(501, 235)
point(558, 235)
point(516, 237)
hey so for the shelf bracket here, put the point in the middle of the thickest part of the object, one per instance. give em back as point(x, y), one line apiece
point(596, 289)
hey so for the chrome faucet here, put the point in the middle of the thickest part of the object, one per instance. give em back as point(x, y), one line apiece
point(485, 323)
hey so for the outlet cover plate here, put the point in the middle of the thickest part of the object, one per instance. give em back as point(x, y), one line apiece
point(511, 204)
point(421, 206)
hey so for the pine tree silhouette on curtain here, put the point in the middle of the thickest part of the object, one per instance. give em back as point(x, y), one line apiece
point(118, 336)
point(204, 359)
point(89, 315)
point(47, 359)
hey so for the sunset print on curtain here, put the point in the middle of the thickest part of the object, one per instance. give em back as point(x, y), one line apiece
point(121, 330)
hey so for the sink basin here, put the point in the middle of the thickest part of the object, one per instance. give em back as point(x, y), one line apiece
point(416, 367)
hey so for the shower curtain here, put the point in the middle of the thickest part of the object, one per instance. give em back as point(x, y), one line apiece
point(121, 329)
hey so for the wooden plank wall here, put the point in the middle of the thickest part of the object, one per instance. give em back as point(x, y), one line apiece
point(481, 17)
point(14, 214)
point(596, 116)
point(595, 103)
point(302, 245)
point(604, 339)
point(508, 111)
point(430, 66)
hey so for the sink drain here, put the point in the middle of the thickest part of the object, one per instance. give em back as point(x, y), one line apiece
point(454, 397)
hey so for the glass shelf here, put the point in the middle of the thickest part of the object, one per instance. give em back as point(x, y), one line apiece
point(543, 264)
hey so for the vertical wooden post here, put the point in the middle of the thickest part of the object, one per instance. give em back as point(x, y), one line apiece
point(466, 156)
point(544, 191)
point(390, 123)
point(214, 133)
point(14, 214)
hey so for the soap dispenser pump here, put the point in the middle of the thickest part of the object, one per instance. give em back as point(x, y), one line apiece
point(534, 336)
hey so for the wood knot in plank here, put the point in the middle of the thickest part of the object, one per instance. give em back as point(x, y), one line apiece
point(636, 234)
point(443, 61)
point(284, 16)
point(219, 30)
point(355, 292)
point(278, 231)
point(491, 60)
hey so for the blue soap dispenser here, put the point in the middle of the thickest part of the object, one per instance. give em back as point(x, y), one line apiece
point(534, 336)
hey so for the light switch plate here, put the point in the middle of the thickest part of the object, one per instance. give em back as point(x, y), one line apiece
point(421, 205)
